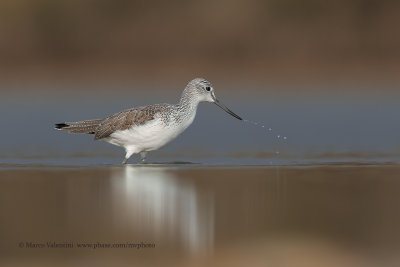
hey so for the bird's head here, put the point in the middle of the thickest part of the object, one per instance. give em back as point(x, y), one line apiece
point(203, 91)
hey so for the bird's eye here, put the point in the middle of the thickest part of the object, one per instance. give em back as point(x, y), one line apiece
point(208, 88)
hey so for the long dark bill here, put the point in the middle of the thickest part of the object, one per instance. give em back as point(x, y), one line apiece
point(219, 104)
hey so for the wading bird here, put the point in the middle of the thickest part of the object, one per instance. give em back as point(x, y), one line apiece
point(148, 128)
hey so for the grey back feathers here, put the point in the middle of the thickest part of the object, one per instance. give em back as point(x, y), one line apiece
point(102, 128)
point(126, 119)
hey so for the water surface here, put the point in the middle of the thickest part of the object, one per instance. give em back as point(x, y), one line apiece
point(341, 215)
point(330, 125)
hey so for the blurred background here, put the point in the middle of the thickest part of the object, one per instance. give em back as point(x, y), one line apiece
point(257, 41)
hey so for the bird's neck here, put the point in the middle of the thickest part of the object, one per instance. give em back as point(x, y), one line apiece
point(188, 102)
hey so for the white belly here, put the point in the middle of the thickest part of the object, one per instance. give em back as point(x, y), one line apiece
point(150, 136)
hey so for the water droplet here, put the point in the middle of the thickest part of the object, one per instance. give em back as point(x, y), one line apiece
point(269, 129)
point(285, 137)
point(278, 136)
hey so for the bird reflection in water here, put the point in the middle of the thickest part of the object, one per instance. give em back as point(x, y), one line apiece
point(163, 207)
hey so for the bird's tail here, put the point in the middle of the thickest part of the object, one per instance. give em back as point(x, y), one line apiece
point(79, 127)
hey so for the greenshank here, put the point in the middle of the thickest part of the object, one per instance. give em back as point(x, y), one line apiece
point(148, 128)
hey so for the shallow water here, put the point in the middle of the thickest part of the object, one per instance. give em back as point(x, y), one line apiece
point(330, 126)
point(198, 215)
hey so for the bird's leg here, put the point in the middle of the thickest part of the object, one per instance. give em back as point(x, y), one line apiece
point(143, 155)
point(127, 156)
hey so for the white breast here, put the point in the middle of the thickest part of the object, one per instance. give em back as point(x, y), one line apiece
point(150, 136)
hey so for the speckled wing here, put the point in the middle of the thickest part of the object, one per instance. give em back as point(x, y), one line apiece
point(80, 127)
point(125, 120)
